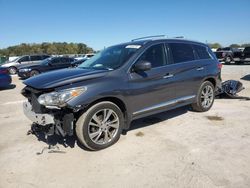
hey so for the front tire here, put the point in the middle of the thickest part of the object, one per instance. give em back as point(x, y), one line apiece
point(205, 97)
point(100, 126)
point(34, 73)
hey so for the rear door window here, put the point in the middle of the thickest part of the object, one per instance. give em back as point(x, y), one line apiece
point(202, 52)
point(35, 58)
point(181, 52)
point(24, 59)
point(55, 61)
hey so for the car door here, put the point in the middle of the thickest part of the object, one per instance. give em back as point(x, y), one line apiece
point(24, 60)
point(53, 64)
point(63, 63)
point(150, 90)
point(188, 70)
point(35, 59)
point(246, 53)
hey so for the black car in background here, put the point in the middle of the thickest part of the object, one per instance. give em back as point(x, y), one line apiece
point(78, 62)
point(229, 55)
point(49, 64)
point(25, 60)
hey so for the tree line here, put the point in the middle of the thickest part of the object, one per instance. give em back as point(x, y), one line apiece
point(46, 48)
point(218, 45)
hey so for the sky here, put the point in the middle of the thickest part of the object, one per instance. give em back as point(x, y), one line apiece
point(101, 23)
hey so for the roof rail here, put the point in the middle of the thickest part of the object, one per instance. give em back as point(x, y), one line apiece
point(148, 37)
point(179, 37)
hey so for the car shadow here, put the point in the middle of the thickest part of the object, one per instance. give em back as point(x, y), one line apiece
point(11, 86)
point(233, 63)
point(246, 77)
point(160, 117)
point(72, 141)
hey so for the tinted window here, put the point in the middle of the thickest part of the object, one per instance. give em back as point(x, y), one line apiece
point(56, 61)
point(201, 51)
point(35, 58)
point(45, 56)
point(247, 50)
point(155, 55)
point(181, 52)
point(23, 59)
point(226, 49)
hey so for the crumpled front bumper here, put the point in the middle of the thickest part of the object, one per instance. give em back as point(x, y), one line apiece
point(41, 119)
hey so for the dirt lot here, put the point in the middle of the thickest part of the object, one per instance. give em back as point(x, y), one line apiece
point(179, 148)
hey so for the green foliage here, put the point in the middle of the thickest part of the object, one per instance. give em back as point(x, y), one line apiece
point(46, 48)
point(245, 45)
point(215, 45)
point(235, 45)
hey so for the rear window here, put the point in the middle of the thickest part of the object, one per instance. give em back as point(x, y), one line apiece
point(181, 52)
point(201, 52)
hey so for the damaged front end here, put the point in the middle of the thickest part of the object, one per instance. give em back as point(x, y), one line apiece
point(48, 109)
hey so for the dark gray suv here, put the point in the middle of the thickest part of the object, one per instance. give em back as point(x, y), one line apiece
point(122, 83)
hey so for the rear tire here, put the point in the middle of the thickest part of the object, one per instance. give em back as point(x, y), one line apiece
point(12, 70)
point(205, 97)
point(100, 126)
point(228, 60)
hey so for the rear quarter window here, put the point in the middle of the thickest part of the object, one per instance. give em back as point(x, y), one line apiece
point(202, 52)
point(181, 52)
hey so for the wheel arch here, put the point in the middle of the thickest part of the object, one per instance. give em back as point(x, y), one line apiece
point(117, 101)
point(212, 80)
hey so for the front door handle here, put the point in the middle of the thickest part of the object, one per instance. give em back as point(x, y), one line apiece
point(168, 76)
point(200, 69)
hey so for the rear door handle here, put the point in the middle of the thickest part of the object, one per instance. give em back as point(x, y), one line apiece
point(200, 69)
point(168, 76)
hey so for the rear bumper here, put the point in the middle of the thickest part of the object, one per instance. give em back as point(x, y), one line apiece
point(41, 119)
point(5, 80)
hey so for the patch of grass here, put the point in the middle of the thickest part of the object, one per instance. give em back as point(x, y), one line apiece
point(215, 118)
point(140, 134)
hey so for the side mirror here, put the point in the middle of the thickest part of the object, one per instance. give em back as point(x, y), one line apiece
point(142, 66)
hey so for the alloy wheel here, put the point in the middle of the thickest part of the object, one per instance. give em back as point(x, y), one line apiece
point(103, 126)
point(207, 96)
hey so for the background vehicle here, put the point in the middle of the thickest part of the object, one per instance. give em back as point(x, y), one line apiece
point(23, 60)
point(5, 78)
point(85, 57)
point(78, 62)
point(3, 59)
point(49, 64)
point(229, 55)
point(103, 95)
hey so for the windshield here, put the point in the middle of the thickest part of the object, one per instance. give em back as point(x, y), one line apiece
point(111, 58)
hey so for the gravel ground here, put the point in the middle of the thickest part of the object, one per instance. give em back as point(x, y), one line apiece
point(179, 148)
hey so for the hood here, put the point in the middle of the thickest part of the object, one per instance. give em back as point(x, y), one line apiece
point(63, 77)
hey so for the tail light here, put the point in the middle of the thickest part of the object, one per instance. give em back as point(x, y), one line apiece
point(219, 65)
point(4, 71)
